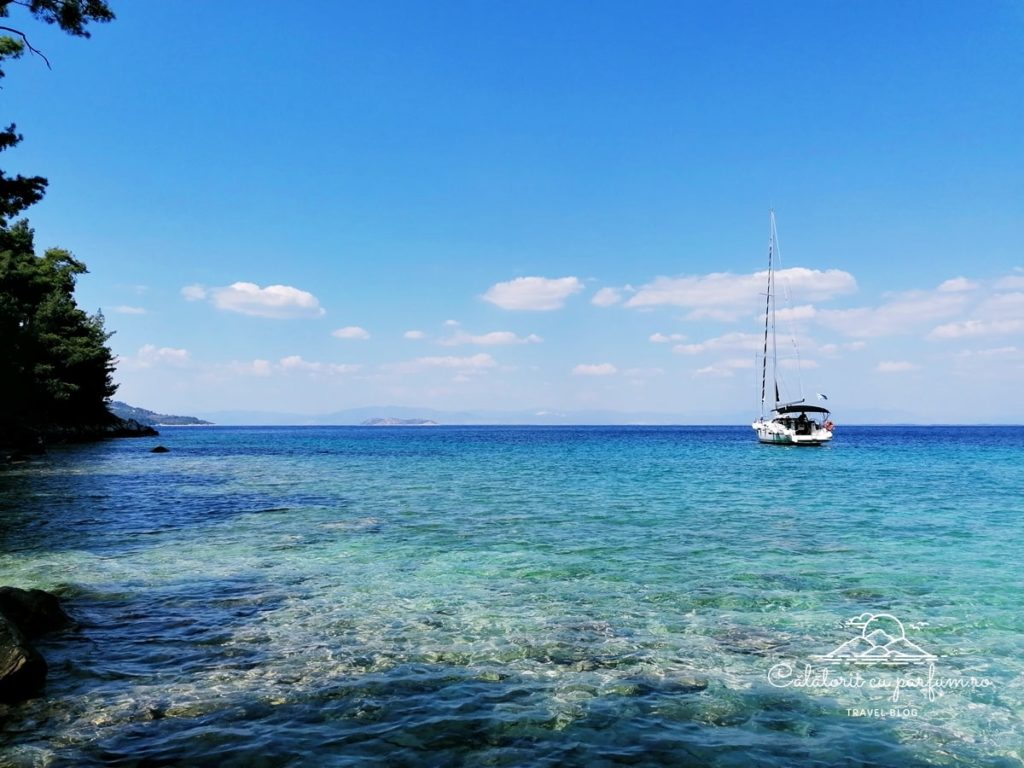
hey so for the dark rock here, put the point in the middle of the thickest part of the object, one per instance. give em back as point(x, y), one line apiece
point(130, 428)
point(102, 430)
point(20, 447)
point(33, 611)
point(160, 449)
point(22, 669)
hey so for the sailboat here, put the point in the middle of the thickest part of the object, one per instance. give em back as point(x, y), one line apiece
point(787, 423)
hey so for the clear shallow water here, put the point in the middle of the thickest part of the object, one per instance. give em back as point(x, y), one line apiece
point(512, 596)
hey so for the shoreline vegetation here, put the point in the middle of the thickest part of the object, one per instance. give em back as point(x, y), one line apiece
point(18, 445)
point(55, 364)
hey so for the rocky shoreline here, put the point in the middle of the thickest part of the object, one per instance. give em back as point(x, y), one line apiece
point(19, 447)
point(25, 614)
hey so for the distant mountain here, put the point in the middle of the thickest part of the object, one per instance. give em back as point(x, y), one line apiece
point(151, 418)
point(540, 416)
point(391, 421)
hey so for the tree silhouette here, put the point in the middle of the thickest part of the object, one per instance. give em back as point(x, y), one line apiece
point(55, 366)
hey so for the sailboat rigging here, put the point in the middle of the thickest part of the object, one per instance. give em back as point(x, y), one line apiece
point(787, 423)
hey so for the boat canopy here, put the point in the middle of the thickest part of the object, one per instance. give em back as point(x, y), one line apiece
point(801, 409)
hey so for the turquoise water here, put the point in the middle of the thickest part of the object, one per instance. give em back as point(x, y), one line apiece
point(492, 596)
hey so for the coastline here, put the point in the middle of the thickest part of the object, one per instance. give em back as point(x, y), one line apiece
point(32, 441)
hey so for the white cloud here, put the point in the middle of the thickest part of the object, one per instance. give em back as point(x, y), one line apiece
point(905, 313)
point(414, 335)
point(1010, 283)
point(481, 360)
point(642, 373)
point(533, 293)
point(973, 328)
point(351, 332)
point(994, 352)
point(713, 370)
point(786, 314)
point(275, 301)
point(718, 315)
point(597, 369)
point(261, 367)
point(296, 363)
point(451, 323)
point(662, 338)
point(126, 310)
point(150, 355)
point(290, 365)
point(606, 297)
point(724, 368)
point(194, 292)
point(896, 366)
point(723, 290)
point(730, 341)
point(492, 339)
point(834, 349)
point(1002, 306)
point(471, 363)
point(957, 284)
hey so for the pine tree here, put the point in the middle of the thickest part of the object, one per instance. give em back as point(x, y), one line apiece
point(55, 366)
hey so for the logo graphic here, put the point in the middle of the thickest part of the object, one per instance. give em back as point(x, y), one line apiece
point(882, 640)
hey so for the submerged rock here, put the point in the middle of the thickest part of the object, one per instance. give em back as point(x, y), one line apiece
point(160, 449)
point(22, 669)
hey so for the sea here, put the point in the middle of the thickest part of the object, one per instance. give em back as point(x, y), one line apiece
point(524, 596)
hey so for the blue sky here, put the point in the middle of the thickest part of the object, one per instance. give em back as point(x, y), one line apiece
point(482, 173)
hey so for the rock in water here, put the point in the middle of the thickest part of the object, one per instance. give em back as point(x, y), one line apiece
point(160, 449)
point(25, 613)
point(22, 669)
point(33, 611)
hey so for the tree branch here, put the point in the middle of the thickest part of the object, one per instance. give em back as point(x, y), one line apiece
point(31, 48)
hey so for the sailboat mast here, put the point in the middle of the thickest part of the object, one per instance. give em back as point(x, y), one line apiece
point(771, 295)
point(767, 312)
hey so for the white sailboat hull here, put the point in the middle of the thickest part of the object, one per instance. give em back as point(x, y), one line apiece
point(775, 433)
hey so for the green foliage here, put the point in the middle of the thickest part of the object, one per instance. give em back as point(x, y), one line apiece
point(18, 192)
point(55, 366)
point(72, 16)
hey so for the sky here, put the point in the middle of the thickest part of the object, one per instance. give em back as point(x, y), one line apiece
point(542, 207)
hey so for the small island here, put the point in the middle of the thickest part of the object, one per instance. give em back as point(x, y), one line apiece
point(393, 422)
